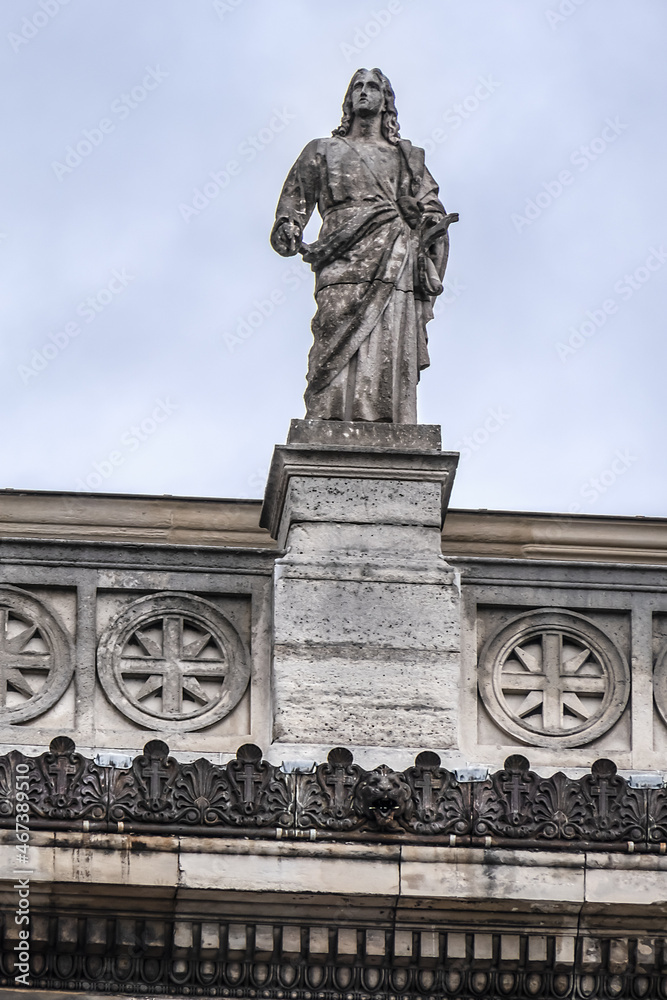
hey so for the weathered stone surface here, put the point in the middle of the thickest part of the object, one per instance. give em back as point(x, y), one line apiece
point(88, 585)
point(365, 434)
point(630, 881)
point(259, 873)
point(414, 877)
point(393, 615)
point(554, 881)
point(363, 601)
point(609, 612)
point(379, 259)
point(327, 463)
point(367, 552)
point(66, 602)
point(344, 915)
point(553, 678)
point(363, 501)
point(383, 696)
point(231, 524)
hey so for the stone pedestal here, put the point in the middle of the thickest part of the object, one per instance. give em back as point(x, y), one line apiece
point(366, 614)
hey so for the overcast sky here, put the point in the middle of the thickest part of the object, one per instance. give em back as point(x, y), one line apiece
point(152, 342)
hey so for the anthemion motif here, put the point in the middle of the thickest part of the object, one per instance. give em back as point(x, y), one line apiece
point(552, 678)
point(36, 656)
point(173, 661)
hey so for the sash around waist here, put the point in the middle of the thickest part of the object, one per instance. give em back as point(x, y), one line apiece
point(354, 206)
point(344, 226)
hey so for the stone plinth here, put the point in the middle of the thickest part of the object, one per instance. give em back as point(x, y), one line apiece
point(366, 616)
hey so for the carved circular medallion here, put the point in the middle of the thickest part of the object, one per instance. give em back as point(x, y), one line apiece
point(553, 679)
point(173, 661)
point(36, 657)
point(660, 682)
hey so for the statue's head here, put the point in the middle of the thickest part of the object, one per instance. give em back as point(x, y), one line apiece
point(356, 102)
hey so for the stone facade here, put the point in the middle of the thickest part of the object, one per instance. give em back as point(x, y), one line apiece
point(326, 746)
point(81, 592)
point(107, 644)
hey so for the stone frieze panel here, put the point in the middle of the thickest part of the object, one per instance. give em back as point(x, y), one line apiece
point(553, 678)
point(36, 655)
point(111, 665)
point(173, 660)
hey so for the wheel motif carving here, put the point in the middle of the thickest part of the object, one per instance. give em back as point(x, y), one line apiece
point(660, 682)
point(174, 662)
point(36, 657)
point(553, 678)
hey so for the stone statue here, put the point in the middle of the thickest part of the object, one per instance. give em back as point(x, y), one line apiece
point(379, 258)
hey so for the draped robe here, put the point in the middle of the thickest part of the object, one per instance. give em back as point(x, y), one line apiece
point(373, 304)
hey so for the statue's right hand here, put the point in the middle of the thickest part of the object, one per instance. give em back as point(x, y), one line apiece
point(286, 239)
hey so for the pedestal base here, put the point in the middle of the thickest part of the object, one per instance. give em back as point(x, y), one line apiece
point(366, 615)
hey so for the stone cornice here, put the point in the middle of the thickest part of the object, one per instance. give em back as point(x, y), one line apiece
point(201, 521)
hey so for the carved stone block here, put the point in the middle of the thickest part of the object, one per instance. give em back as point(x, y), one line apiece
point(173, 661)
point(363, 601)
point(36, 655)
point(553, 678)
point(113, 644)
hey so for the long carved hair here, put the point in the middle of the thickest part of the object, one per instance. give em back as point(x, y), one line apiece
point(389, 125)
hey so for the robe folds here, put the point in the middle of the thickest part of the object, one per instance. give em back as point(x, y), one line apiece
point(375, 279)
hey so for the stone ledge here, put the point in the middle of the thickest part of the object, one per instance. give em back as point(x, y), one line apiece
point(220, 523)
point(344, 464)
point(365, 434)
point(424, 876)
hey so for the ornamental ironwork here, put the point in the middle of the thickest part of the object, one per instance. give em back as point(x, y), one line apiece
point(36, 656)
point(552, 678)
point(173, 662)
point(185, 955)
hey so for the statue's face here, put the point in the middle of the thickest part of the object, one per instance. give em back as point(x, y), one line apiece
point(367, 96)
